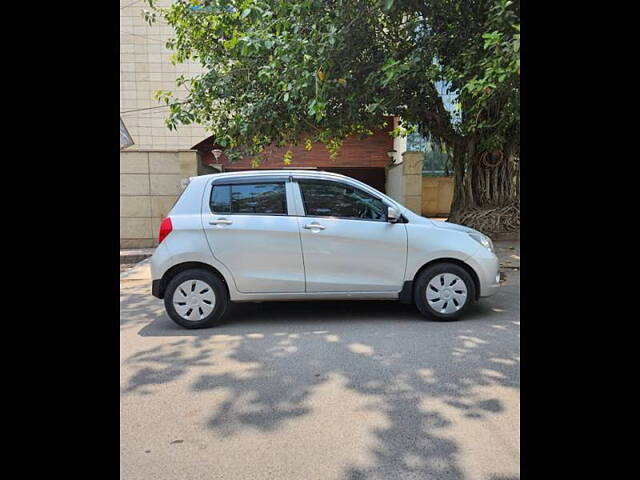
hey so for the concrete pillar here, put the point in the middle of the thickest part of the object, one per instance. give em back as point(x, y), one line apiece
point(394, 184)
point(412, 180)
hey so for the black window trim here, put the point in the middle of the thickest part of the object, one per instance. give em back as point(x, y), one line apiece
point(326, 180)
point(255, 180)
point(251, 179)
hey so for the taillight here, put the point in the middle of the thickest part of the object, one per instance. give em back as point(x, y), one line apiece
point(165, 229)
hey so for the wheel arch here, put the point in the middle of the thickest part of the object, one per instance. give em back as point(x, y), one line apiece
point(181, 267)
point(472, 273)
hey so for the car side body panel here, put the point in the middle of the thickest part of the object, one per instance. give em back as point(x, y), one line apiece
point(186, 243)
point(263, 252)
point(427, 243)
point(353, 255)
point(270, 258)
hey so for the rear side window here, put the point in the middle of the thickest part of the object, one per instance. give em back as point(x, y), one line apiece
point(253, 198)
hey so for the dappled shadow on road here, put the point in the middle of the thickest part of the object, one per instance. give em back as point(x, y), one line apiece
point(137, 306)
point(269, 360)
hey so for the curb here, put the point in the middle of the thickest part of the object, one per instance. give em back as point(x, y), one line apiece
point(505, 236)
point(135, 256)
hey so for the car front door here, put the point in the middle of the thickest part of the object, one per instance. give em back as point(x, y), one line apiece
point(249, 230)
point(348, 245)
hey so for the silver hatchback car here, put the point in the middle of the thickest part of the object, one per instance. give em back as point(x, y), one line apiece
point(300, 235)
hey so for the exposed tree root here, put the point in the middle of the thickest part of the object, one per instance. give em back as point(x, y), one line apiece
point(490, 220)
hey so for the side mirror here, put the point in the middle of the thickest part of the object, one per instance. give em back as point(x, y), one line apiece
point(393, 215)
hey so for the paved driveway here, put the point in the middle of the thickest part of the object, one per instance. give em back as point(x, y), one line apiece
point(323, 390)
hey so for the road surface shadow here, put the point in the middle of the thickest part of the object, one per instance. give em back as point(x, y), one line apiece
point(299, 313)
point(384, 350)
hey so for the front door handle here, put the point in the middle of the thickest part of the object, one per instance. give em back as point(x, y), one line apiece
point(220, 221)
point(310, 226)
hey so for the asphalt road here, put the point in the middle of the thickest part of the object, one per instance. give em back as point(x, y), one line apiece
point(322, 390)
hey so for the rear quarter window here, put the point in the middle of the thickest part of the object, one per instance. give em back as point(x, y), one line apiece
point(221, 199)
point(251, 198)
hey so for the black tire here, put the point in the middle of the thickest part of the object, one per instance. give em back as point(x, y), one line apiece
point(432, 271)
point(212, 281)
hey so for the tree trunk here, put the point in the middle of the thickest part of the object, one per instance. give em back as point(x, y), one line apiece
point(486, 189)
point(462, 197)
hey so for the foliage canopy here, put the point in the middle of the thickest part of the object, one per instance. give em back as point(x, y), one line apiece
point(277, 70)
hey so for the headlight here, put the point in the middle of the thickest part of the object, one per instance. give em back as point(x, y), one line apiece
point(482, 240)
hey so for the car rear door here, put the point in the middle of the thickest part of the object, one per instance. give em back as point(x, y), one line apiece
point(249, 230)
point(348, 245)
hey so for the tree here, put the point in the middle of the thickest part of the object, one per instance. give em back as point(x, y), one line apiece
point(279, 72)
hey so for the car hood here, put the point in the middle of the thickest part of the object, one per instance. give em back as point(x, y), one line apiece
point(453, 226)
point(414, 218)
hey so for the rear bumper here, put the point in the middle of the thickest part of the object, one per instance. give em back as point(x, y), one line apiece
point(160, 263)
point(156, 289)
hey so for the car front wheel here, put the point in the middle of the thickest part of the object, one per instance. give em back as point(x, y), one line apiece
point(443, 291)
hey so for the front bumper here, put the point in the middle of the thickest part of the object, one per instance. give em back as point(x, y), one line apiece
point(489, 290)
point(487, 266)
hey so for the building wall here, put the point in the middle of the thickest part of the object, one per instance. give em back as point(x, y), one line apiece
point(437, 194)
point(150, 183)
point(144, 68)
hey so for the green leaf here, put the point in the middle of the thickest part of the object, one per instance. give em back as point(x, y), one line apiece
point(311, 107)
point(232, 42)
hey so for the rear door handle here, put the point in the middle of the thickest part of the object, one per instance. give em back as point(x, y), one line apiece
point(310, 226)
point(220, 221)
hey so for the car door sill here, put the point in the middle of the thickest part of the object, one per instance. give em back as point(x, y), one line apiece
point(263, 297)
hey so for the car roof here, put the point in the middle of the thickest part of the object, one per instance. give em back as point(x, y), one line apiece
point(281, 173)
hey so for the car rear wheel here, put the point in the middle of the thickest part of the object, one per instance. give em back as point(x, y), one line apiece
point(196, 299)
point(443, 291)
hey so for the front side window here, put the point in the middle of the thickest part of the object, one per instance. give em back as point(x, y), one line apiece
point(331, 199)
point(256, 198)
